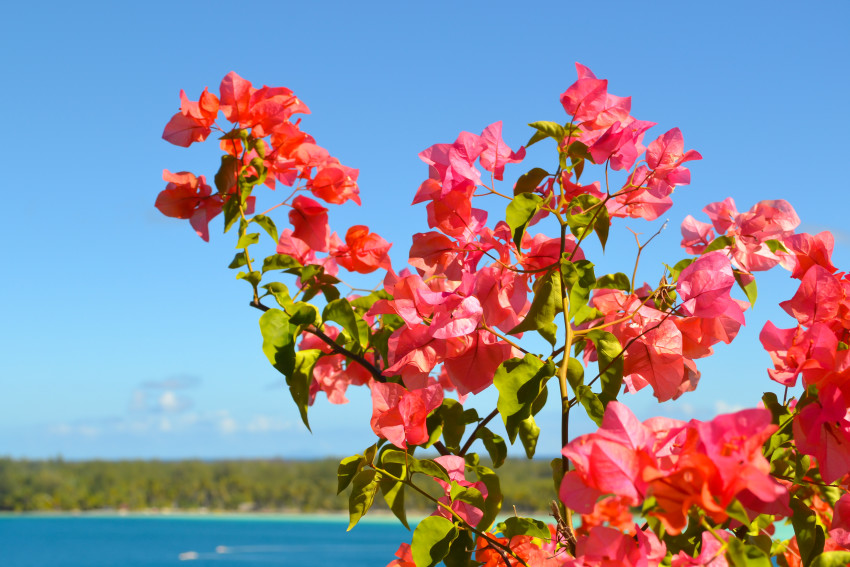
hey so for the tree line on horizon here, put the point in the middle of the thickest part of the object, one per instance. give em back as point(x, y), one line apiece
point(273, 485)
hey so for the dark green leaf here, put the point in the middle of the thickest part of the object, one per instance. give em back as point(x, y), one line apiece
point(519, 382)
point(393, 492)
point(363, 489)
point(514, 526)
point(451, 413)
point(278, 340)
point(495, 446)
point(304, 314)
point(614, 281)
point(238, 261)
point(680, 265)
point(348, 468)
point(460, 550)
point(528, 182)
point(743, 555)
point(466, 494)
point(302, 377)
point(267, 224)
point(547, 302)
point(810, 536)
point(225, 178)
point(549, 331)
point(519, 212)
point(493, 503)
point(601, 226)
point(424, 466)
point(340, 311)
point(432, 539)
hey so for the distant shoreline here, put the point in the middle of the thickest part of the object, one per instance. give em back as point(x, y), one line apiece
point(376, 516)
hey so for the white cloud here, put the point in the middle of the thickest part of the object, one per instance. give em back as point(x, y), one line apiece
point(721, 406)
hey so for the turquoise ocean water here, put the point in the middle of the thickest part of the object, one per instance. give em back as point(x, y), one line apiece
point(196, 541)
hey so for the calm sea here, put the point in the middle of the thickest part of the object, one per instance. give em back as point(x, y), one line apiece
point(196, 541)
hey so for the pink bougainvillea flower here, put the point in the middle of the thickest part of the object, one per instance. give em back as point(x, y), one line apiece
point(822, 430)
point(696, 235)
point(189, 197)
point(310, 221)
point(817, 299)
point(405, 557)
point(472, 367)
point(805, 251)
point(398, 415)
point(456, 317)
point(496, 153)
point(585, 99)
point(605, 546)
point(363, 252)
point(192, 123)
point(704, 288)
point(336, 184)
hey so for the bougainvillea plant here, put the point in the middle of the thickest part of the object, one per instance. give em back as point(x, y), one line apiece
point(454, 322)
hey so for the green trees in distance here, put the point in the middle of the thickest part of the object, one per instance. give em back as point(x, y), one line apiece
point(249, 485)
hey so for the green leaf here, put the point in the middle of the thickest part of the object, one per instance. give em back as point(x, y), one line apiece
point(424, 466)
point(514, 526)
point(495, 445)
point(348, 469)
point(546, 129)
point(832, 559)
point(547, 302)
point(775, 246)
point(528, 182)
point(460, 550)
point(591, 403)
point(280, 293)
point(452, 415)
point(719, 243)
point(267, 224)
point(750, 289)
point(742, 555)
point(280, 262)
point(737, 511)
point(580, 222)
point(225, 178)
point(549, 331)
point(340, 311)
point(579, 279)
point(810, 536)
point(278, 340)
point(601, 226)
point(493, 502)
point(248, 239)
point(252, 278)
point(520, 211)
point(393, 492)
point(575, 373)
point(680, 265)
point(466, 494)
point(519, 382)
point(614, 281)
point(609, 352)
point(301, 378)
point(432, 539)
point(304, 314)
point(528, 434)
point(363, 489)
point(238, 261)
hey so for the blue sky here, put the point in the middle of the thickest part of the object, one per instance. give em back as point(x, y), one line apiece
point(126, 336)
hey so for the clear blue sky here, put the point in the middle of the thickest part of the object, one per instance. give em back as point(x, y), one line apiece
point(125, 335)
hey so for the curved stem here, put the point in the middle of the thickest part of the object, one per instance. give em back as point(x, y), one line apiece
point(472, 435)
